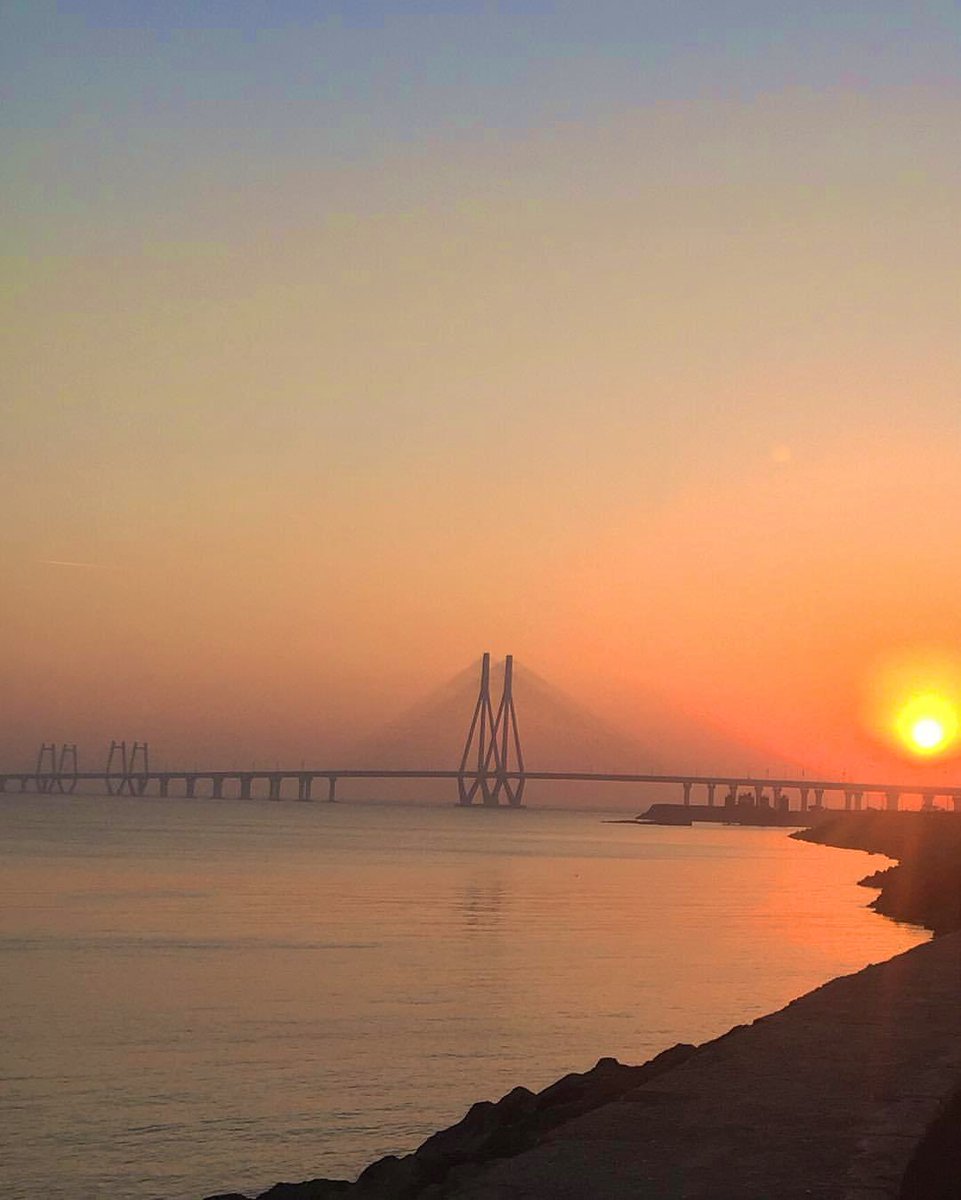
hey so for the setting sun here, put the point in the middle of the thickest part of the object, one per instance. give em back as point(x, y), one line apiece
point(928, 724)
point(928, 733)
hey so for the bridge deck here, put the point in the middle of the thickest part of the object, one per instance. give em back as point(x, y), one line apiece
point(304, 775)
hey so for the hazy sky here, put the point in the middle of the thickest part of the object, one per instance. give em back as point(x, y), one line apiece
point(344, 341)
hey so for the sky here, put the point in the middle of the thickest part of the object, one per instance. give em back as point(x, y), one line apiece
point(345, 341)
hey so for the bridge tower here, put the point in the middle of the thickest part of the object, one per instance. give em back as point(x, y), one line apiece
point(67, 768)
point(493, 746)
point(45, 773)
point(127, 768)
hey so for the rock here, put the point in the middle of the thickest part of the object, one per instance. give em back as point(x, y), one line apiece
point(876, 879)
point(488, 1132)
point(393, 1178)
point(310, 1189)
point(934, 1172)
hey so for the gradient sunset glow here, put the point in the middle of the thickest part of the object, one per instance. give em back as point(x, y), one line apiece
point(342, 347)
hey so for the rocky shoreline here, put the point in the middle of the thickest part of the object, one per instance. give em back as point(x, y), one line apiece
point(490, 1131)
point(471, 1157)
point(925, 886)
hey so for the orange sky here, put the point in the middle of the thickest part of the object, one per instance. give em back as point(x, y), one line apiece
point(661, 396)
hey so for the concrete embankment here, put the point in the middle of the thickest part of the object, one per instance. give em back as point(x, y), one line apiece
point(852, 1092)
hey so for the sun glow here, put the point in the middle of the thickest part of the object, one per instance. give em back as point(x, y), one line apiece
point(928, 733)
point(927, 724)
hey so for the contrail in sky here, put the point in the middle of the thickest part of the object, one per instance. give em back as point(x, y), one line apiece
point(57, 562)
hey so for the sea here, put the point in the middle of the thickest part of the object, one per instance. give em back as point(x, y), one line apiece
point(201, 996)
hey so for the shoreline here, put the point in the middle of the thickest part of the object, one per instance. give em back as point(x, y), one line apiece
point(526, 1144)
point(924, 887)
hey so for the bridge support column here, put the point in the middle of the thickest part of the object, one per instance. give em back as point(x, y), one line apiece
point(164, 787)
point(819, 797)
point(927, 801)
point(245, 782)
point(710, 794)
point(848, 800)
point(687, 785)
point(217, 787)
point(804, 793)
point(892, 801)
point(303, 786)
point(275, 782)
point(190, 786)
point(858, 799)
point(956, 803)
point(332, 789)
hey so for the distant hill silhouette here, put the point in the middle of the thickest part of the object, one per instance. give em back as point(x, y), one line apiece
point(557, 733)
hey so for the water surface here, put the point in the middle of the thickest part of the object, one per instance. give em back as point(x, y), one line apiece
point(202, 996)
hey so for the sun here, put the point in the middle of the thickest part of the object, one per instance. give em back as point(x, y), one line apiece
point(927, 733)
point(927, 724)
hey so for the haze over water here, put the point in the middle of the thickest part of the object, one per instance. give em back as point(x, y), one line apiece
point(203, 996)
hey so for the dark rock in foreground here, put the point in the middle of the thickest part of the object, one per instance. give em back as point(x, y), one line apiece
point(490, 1131)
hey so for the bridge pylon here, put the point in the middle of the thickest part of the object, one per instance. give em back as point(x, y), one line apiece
point(45, 773)
point(493, 746)
point(67, 768)
point(127, 768)
point(56, 769)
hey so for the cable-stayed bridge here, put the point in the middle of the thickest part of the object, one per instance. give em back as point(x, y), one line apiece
point(491, 773)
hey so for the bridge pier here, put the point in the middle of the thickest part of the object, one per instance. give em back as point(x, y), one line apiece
point(687, 785)
point(164, 788)
point(190, 786)
point(927, 801)
point(274, 784)
point(217, 787)
point(303, 786)
point(245, 784)
point(710, 794)
point(892, 801)
point(804, 793)
point(956, 803)
point(331, 789)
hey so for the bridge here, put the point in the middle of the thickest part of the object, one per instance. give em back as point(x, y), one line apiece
point(491, 773)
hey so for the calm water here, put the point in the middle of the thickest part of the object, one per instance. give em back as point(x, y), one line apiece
point(202, 996)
